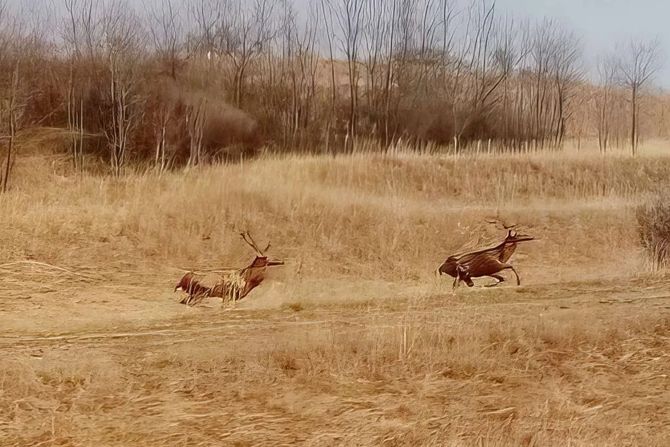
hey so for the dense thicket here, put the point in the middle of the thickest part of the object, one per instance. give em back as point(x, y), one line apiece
point(183, 82)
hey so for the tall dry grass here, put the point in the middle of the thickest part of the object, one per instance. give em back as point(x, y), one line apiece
point(653, 220)
point(362, 352)
point(388, 216)
point(463, 376)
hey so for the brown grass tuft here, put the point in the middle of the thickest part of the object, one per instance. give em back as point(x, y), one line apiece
point(654, 228)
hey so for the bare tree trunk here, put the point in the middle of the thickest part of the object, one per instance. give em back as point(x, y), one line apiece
point(12, 127)
point(80, 147)
point(161, 141)
point(71, 117)
point(636, 66)
point(75, 122)
point(328, 23)
point(633, 127)
point(196, 125)
point(388, 77)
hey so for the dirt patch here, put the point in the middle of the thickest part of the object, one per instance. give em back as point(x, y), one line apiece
point(540, 365)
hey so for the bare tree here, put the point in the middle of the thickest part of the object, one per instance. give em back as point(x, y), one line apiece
point(167, 28)
point(12, 112)
point(196, 116)
point(238, 30)
point(11, 49)
point(122, 48)
point(483, 72)
point(637, 64)
point(77, 31)
point(374, 37)
point(566, 71)
point(167, 34)
point(389, 73)
point(604, 97)
point(300, 62)
point(511, 50)
point(327, 16)
point(349, 17)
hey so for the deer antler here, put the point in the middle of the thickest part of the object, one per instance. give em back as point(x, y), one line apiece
point(499, 222)
point(246, 236)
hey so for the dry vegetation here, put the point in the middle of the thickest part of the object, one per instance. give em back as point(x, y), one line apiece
point(180, 82)
point(354, 341)
point(367, 140)
point(654, 223)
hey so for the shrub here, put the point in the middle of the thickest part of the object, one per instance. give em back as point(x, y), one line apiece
point(653, 220)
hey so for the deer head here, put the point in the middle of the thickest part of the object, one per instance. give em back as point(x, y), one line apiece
point(261, 259)
point(514, 236)
point(501, 224)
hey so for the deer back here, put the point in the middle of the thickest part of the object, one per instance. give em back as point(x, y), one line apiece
point(507, 251)
point(493, 251)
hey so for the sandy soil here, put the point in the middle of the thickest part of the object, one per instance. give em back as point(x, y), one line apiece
point(127, 365)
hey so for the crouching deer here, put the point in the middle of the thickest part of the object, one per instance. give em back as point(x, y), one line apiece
point(488, 262)
point(234, 284)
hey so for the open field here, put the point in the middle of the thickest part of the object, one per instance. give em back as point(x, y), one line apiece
point(355, 341)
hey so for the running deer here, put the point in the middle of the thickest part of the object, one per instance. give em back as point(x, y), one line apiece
point(234, 284)
point(488, 262)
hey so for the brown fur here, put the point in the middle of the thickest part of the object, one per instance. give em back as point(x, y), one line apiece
point(487, 262)
point(233, 286)
point(195, 291)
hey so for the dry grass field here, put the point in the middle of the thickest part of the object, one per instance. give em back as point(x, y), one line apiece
point(355, 341)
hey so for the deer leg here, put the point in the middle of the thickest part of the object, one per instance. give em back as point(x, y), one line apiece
point(463, 275)
point(468, 281)
point(460, 275)
point(497, 277)
point(518, 280)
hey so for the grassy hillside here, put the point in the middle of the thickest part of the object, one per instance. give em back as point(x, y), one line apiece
point(365, 216)
point(355, 340)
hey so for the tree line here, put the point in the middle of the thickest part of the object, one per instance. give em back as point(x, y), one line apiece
point(179, 82)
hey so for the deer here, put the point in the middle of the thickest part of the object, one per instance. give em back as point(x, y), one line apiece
point(193, 288)
point(235, 284)
point(254, 274)
point(488, 262)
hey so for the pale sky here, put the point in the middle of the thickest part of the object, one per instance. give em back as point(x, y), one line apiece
point(599, 23)
point(602, 23)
